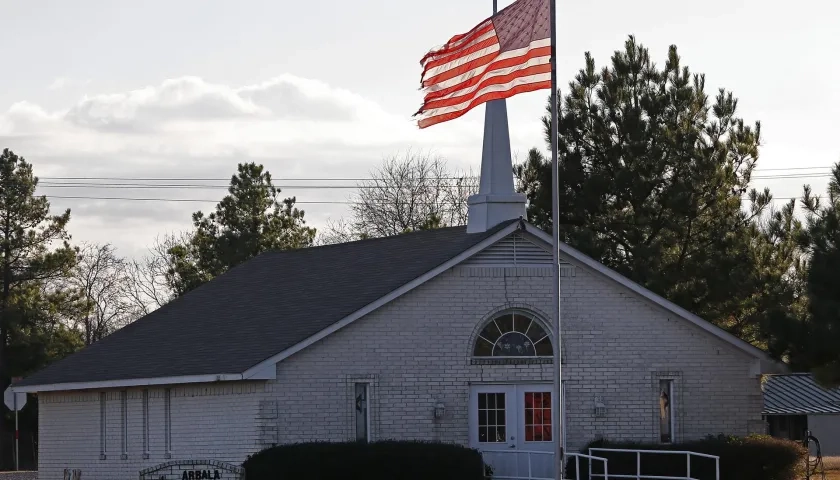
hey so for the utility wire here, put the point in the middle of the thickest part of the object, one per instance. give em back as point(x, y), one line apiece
point(130, 183)
point(188, 186)
point(796, 172)
point(306, 202)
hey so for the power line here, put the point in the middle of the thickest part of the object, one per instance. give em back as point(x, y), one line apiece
point(208, 187)
point(225, 179)
point(829, 167)
point(198, 200)
point(155, 199)
point(793, 175)
point(307, 202)
point(352, 179)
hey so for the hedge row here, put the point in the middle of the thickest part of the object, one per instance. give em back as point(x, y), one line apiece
point(756, 457)
point(368, 461)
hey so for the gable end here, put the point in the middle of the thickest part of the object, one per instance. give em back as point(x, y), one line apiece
point(515, 250)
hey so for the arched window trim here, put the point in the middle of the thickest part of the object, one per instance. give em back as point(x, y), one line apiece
point(542, 336)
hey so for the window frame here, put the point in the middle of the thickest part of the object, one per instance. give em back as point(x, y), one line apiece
point(167, 419)
point(542, 410)
point(506, 396)
point(145, 424)
point(124, 424)
point(533, 319)
point(671, 383)
point(103, 425)
point(366, 387)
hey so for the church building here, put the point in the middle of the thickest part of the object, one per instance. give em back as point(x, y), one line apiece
point(442, 335)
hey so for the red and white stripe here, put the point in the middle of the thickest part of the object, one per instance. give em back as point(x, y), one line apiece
point(469, 71)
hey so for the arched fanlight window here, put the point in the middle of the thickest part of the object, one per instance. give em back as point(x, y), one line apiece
point(513, 334)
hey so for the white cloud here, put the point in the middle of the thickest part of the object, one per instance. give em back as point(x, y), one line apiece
point(190, 127)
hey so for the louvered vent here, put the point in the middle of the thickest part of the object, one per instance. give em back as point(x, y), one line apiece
point(512, 250)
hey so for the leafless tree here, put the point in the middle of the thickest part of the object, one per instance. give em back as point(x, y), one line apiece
point(337, 231)
point(102, 279)
point(408, 192)
point(148, 288)
point(456, 194)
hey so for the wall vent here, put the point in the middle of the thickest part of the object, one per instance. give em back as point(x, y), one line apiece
point(513, 250)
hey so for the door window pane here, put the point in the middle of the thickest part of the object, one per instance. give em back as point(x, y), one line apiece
point(491, 417)
point(537, 416)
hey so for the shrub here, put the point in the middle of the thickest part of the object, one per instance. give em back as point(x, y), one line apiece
point(756, 457)
point(368, 461)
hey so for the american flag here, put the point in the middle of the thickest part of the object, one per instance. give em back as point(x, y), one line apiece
point(507, 54)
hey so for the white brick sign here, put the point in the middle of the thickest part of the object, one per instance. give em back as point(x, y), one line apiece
point(193, 470)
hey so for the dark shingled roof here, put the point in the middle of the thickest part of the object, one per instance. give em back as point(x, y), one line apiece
point(798, 394)
point(260, 308)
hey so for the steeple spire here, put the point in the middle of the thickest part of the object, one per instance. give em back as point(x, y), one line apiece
point(497, 200)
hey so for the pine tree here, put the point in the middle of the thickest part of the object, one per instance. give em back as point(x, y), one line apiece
point(32, 309)
point(654, 175)
point(248, 221)
point(820, 332)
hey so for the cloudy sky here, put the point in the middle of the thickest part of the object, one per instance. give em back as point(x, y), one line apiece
point(326, 89)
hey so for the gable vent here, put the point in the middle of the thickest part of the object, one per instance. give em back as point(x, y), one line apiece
point(513, 250)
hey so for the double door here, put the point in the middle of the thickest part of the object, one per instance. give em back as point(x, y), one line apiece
point(512, 426)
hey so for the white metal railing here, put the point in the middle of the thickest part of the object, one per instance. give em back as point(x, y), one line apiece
point(639, 476)
point(589, 457)
point(531, 474)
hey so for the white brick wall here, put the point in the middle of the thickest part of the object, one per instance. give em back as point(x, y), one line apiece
point(617, 347)
point(415, 353)
point(215, 422)
point(826, 428)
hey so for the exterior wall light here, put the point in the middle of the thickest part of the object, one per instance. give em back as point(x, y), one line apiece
point(440, 410)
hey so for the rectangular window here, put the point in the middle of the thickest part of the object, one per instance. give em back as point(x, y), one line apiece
point(103, 431)
point(491, 418)
point(145, 424)
point(167, 415)
point(666, 411)
point(537, 416)
point(362, 412)
point(124, 421)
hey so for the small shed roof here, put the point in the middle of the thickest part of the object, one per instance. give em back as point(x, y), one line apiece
point(798, 394)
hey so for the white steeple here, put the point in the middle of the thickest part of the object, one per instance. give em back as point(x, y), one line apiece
point(496, 200)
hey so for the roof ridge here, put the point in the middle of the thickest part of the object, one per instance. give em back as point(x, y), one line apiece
point(391, 237)
point(368, 240)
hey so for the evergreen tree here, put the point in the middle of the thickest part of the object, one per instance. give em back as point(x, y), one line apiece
point(36, 255)
point(248, 221)
point(820, 332)
point(653, 180)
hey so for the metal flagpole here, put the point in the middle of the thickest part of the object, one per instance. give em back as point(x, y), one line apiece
point(17, 435)
point(559, 437)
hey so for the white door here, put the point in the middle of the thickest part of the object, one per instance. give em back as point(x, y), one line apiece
point(511, 425)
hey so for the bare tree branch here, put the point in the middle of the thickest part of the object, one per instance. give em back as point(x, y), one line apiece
point(102, 280)
point(148, 289)
point(405, 193)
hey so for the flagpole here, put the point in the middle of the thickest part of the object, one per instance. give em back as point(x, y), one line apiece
point(560, 437)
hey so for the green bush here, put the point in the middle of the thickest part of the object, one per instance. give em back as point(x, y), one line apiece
point(756, 457)
point(368, 461)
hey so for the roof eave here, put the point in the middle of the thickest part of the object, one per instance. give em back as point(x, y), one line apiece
point(264, 374)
